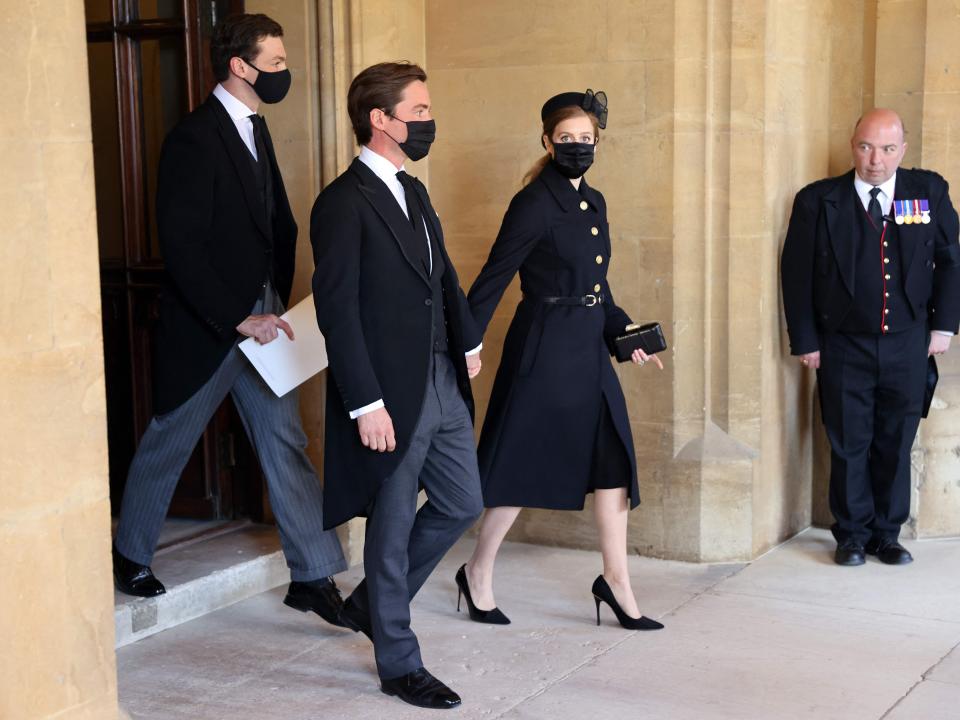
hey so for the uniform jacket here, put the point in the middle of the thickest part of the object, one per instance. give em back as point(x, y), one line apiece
point(818, 262)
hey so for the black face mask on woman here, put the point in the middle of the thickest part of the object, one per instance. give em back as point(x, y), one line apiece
point(270, 87)
point(420, 136)
point(573, 159)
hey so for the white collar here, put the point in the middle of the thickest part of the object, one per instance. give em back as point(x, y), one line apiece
point(382, 168)
point(234, 107)
point(863, 188)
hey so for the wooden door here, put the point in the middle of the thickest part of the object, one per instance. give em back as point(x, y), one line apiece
point(149, 66)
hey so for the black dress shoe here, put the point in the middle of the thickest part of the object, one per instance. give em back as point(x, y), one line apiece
point(491, 617)
point(355, 618)
point(319, 596)
point(135, 579)
point(422, 689)
point(889, 552)
point(849, 552)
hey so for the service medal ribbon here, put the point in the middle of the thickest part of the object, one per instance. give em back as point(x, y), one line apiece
point(925, 212)
point(899, 211)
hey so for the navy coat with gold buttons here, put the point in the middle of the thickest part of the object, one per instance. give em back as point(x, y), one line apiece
point(536, 446)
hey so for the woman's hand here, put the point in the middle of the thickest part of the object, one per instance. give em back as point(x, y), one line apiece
point(640, 357)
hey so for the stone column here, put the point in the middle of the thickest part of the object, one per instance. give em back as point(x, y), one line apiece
point(56, 594)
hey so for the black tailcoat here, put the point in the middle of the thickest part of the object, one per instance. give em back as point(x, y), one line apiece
point(374, 308)
point(218, 247)
point(537, 443)
point(818, 261)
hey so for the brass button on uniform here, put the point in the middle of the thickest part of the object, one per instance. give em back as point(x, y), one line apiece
point(583, 205)
point(594, 231)
point(886, 294)
point(886, 327)
point(886, 311)
point(599, 259)
point(596, 288)
point(886, 260)
point(887, 276)
point(885, 243)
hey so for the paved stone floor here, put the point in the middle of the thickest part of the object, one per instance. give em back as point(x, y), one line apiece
point(789, 636)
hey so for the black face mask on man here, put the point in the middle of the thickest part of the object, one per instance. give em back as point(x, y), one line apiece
point(420, 136)
point(270, 87)
point(573, 159)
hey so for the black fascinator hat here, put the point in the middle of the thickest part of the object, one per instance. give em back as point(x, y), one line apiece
point(589, 101)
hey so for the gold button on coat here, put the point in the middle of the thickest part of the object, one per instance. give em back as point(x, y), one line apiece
point(887, 276)
point(886, 260)
point(583, 205)
point(596, 288)
point(886, 327)
point(599, 259)
point(594, 231)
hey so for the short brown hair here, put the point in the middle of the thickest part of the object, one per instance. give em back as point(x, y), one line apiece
point(238, 36)
point(379, 86)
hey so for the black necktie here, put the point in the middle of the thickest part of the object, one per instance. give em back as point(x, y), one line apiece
point(262, 164)
point(873, 209)
point(421, 246)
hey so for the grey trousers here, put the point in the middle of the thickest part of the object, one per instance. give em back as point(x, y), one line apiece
point(404, 545)
point(273, 425)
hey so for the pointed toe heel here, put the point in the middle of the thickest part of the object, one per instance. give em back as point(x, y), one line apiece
point(603, 593)
point(490, 617)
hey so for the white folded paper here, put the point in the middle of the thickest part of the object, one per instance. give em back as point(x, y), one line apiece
point(284, 363)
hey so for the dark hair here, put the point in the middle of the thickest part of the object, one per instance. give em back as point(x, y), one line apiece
point(549, 125)
point(238, 36)
point(379, 86)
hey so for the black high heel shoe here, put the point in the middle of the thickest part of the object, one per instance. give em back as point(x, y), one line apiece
point(492, 617)
point(602, 592)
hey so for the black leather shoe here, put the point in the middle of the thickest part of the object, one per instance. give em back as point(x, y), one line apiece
point(355, 619)
point(889, 552)
point(135, 579)
point(422, 689)
point(319, 596)
point(849, 552)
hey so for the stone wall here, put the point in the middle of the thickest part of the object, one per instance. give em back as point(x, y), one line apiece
point(56, 596)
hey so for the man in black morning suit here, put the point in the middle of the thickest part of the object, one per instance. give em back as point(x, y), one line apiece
point(228, 240)
point(871, 289)
point(399, 406)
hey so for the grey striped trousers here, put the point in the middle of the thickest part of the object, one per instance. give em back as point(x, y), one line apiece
point(273, 425)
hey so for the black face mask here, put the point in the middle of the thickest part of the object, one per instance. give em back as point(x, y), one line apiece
point(270, 87)
point(573, 159)
point(420, 135)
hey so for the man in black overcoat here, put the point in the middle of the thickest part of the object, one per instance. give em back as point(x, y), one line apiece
point(399, 405)
point(871, 291)
point(228, 240)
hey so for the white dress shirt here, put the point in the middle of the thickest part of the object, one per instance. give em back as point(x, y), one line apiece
point(387, 172)
point(240, 114)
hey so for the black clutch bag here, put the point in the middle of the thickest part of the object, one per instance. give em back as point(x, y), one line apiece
point(648, 338)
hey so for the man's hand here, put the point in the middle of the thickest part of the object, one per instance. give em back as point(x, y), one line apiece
point(811, 360)
point(263, 328)
point(939, 343)
point(376, 430)
point(473, 365)
point(639, 357)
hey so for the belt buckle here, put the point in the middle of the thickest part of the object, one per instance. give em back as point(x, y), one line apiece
point(591, 300)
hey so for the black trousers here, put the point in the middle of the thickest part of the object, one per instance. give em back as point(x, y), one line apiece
point(871, 395)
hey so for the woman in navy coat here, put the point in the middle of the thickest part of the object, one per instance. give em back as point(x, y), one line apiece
point(557, 428)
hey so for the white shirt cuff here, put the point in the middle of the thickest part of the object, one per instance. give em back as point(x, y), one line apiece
point(354, 414)
point(944, 332)
point(477, 349)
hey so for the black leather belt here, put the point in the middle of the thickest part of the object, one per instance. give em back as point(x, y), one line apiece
point(582, 300)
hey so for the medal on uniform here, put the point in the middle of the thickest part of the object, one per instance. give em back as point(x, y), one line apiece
point(916, 212)
point(925, 212)
point(898, 207)
point(907, 213)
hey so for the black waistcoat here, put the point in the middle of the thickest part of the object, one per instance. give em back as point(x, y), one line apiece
point(879, 304)
point(417, 246)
